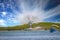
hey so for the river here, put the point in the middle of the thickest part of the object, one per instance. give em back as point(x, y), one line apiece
point(29, 35)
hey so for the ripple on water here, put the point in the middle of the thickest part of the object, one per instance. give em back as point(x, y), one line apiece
point(29, 35)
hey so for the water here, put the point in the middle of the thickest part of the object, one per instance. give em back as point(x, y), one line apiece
point(29, 35)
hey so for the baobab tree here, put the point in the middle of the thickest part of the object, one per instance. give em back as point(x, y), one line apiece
point(31, 20)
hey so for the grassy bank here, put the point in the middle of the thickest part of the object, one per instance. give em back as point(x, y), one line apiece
point(45, 25)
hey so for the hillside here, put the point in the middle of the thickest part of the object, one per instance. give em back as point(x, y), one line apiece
point(45, 25)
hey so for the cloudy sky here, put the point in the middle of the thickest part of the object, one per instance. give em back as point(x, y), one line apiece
point(17, 12)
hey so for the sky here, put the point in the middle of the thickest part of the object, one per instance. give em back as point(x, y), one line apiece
point(18, 12)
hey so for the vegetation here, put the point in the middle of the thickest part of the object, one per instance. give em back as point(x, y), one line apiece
point(45, 25)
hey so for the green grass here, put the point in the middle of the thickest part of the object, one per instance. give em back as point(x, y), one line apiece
point(45, 25)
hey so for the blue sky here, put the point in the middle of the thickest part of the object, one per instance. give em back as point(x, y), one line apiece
point(17, 12)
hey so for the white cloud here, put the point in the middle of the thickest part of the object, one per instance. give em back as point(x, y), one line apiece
point(4, 13)
point(37, 14)
point(13, 20)
point(2, 23)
